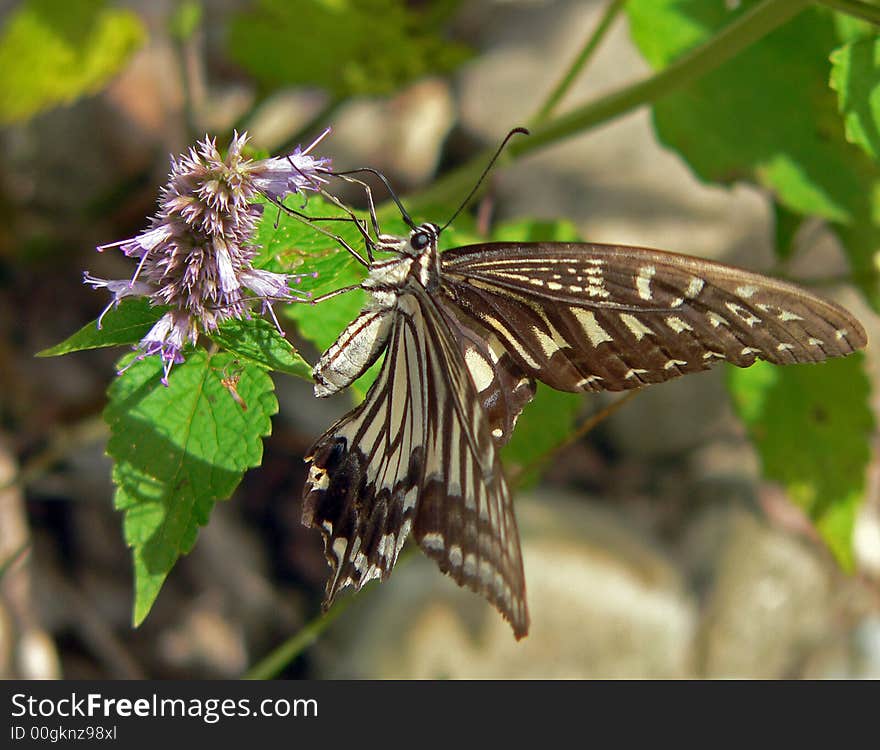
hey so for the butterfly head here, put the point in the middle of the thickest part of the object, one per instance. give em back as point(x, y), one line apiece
point(422, 239)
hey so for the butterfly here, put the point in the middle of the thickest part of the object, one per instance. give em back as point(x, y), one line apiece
point(465, 335)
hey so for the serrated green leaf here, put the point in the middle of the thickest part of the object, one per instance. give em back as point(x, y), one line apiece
point(855, 76)
point(53, 53)
point(127, 324)
point(811, 425)
point(349, 47)
point(768, 116)
point(258, 341)
point(178, 450)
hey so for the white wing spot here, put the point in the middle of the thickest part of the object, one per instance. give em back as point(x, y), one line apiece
point(455, 557)
point(717, 320)
point(747, 317)
point(786, 315)
point(481, 371)
point(643, 281)
point(547, 344)
point(840, 334)
point(695, 287)
point(340, 544)
point(595, 333)
point(711, 354)
point(784, 347)
point(746, 350)
point(746, 290)
point(514, 340)
point(497, 433)
point(433, 541)
point(677, 324)
point(674, 363)
point(634, 373)
point(318, 478)
point(554, 286)
point(470, 565)
point(588, 381)
point(635, 326)
point(815, 342)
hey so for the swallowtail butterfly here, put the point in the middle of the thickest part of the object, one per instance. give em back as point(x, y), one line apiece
point(466, 334)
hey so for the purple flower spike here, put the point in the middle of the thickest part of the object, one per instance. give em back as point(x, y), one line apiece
point(197, 256)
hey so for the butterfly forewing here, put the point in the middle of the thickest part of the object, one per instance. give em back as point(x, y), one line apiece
point(581, 316)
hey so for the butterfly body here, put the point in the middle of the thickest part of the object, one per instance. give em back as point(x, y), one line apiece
point(466, 334)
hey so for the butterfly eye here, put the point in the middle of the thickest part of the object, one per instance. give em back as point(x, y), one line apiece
point(419, 240)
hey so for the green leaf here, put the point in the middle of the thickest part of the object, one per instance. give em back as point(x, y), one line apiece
point(127, 324)
point(185, 20)
point(349, 47)
point(767, 116)
point(259, 342)
point(543, 428)
point(855, 76)
point(177, 451)
point(536, 230)
point(786, 225)
point(812, 425)
point(53, 53)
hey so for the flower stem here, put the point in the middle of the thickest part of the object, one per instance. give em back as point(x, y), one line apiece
point(855, 8)
point(580, 62)
point(272, 665)
point(727, 43)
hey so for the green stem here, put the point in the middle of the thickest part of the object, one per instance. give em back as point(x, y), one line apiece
point(727, 43)
point(275, 662)
point(580, 62)
point(855, 8)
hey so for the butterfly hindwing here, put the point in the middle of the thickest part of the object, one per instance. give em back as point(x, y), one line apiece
point(465, 519)
point(366, 470)
point(417, 453)
point(580, 316)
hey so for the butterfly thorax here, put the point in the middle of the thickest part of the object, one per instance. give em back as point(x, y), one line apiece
point(414, 270)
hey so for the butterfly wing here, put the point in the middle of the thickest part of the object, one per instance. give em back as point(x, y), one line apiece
point(582, 316)
point(417, 454)
point(502, 387)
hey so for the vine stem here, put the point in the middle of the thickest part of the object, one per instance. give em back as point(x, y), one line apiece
point(855, 8)
point(579, 62)
point(726, 44)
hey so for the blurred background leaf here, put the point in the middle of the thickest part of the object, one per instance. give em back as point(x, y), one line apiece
point(54, 53)
point(348, 47)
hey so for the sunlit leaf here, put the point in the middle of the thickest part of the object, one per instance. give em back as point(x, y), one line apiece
point(811, 425)
point(768, 116)
point(126, 324)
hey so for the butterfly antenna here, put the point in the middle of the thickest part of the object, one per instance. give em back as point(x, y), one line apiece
point(403, 212)
point(515, 131)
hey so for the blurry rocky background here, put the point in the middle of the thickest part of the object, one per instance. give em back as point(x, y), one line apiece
point(652, 548)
